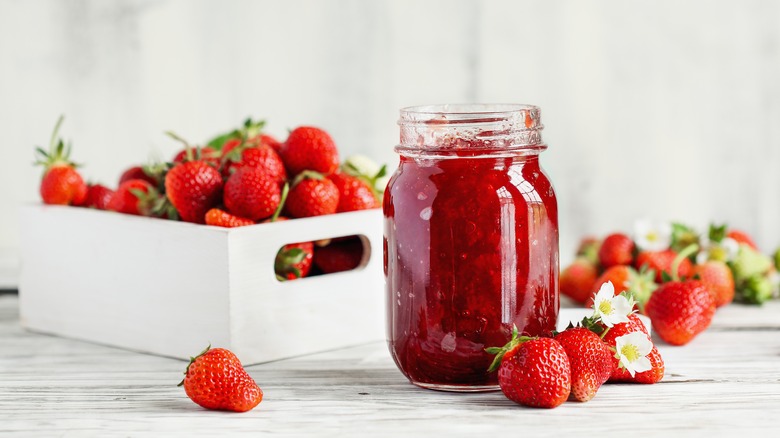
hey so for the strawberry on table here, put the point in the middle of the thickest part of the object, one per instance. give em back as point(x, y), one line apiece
point(193, 188)
point(251, 193)
point(215, 379)
point(717, 276)
point(621, 374)
point(309, 148)
point(590, 360)
point(661, 261)
point(312, 195)
point(681, 309)
point(61, 184)
point(533, 371)
point(616, 249)
point(576, 281)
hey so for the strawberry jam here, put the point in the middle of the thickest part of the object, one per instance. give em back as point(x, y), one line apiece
point(471, 241)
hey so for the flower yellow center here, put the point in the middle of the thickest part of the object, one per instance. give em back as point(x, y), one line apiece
point(630, 352)
point(652, 236)
point(605, 307)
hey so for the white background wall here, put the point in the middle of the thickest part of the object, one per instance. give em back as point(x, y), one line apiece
point(663, 109)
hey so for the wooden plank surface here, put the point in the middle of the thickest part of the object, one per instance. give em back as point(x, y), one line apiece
point(726, 381)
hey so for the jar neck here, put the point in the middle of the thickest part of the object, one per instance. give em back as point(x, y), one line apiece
point(471, 130)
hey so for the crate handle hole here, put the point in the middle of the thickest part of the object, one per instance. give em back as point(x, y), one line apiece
point(323, 257)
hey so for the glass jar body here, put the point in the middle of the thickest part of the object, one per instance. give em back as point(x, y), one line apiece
point(471, 250)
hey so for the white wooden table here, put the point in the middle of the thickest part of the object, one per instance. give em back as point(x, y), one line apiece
point(725, 382)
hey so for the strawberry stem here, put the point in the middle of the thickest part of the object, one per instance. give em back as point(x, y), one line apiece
point(684, 254)
point(285, 191)
point(604, 333)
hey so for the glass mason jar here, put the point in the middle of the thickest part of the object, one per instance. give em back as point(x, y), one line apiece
point(471, 241)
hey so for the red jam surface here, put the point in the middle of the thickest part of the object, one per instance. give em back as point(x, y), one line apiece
point(471, 249)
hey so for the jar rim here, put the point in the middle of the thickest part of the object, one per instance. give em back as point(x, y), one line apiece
point(464, 110)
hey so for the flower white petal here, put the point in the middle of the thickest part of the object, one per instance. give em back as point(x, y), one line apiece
point(602, 303)
point(632, 350)
point(652, 236)
point(731, 246)
point(702, 257)
point(622, 307)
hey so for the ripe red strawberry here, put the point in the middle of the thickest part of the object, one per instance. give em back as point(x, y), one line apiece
point(294, 261)
point(717, 276)
point(354, 193)
point(576, 281)
point(312, 195)
point(98, 196)
point(590, 360)
point(680, 310)
point(654, 374)
point(309, 148)
point(216, 380)
point(61, 183)
point(252, 194)
point(131, 198)
point(220, 218)
point(339, 256)
point(661, 261)
point(193, 188)
point(207, 154)
point(138, 172)
point(625, 279)
point(533, 371)
point(249, 154)
point(742, 237)
point(616, 249)
point(271, 142)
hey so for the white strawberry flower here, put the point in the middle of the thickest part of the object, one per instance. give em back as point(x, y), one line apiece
point(726, 250)
point(632, 350)
point(611, 309)
point(652, 236)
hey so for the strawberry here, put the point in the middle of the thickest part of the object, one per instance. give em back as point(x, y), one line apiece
point(742, 237)
point(98, 196)
point(270, 141)
point(661, 261)
point(61, 183)
point(190, 153)
point(220, 218)
point(216, 380)
point(251, 193)
point(193, 188)
point(533, 371)
point(142, 173)
point(576, 281)
point(249, 154)
point(309, 148)
point(718, 278)
point(339, 256)
point(619, 374)
point(680, 310)
point(133, 197)
point(312, 195)
point(625, 279)
point(294, 260)
point(354, 193)
point(589, 249)
point(590, 360)
point(616, 249)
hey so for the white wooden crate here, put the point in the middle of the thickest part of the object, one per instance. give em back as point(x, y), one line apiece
point(171, 288)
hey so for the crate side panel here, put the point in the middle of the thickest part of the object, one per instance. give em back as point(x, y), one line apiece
point(138, 283)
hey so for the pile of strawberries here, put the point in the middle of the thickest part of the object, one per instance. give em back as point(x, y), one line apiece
point(678, 277)
point(612, 345)
point(240, 178)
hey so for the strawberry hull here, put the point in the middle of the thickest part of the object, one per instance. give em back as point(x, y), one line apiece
point(171, 288)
